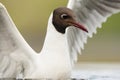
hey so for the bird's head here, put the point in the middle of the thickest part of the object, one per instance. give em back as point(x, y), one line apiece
point(64, 17)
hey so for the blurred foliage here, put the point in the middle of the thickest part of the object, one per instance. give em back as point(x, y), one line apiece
point(31, 19)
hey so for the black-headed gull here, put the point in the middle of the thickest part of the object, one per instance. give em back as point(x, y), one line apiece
point(67, 32)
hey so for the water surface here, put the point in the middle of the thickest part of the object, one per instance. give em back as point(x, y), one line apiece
point(97, 71)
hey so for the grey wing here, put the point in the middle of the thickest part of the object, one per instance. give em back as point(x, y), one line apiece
point(91, 14)
point(14, 51)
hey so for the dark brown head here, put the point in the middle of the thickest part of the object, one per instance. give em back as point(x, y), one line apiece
point(63, 18)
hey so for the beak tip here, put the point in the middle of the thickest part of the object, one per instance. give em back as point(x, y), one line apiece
point(86, 31)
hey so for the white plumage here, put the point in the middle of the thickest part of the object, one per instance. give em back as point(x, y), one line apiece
point(59, 50)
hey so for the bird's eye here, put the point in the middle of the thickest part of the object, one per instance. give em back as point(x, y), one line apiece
point(64, 16)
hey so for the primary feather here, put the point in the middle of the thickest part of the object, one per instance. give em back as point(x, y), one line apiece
point(91, 14)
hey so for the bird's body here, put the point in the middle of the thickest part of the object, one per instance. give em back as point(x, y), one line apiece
point(67, 32)
point(52, 61)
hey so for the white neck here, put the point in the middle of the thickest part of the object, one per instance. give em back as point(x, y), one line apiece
point(55, 42)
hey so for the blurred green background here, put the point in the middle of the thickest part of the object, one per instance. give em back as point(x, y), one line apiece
point(31, 16)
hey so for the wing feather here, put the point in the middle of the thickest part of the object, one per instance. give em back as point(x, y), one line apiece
point(91, 14)
point(14, 50)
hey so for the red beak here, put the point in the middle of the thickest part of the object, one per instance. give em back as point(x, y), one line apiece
point(79, 26)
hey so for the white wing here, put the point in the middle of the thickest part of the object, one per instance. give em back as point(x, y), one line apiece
point(91, 14)
point(14, 51)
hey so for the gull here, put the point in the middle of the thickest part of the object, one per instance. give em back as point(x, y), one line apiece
point(67, 32)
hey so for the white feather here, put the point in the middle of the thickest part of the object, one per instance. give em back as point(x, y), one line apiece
point(91, 14)
point(54, 62)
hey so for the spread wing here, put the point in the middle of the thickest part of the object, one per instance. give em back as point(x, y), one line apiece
point(91, 14)
point(14, 51)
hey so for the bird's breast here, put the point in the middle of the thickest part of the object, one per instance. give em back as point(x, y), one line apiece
point(51, 68)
